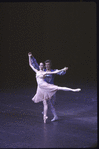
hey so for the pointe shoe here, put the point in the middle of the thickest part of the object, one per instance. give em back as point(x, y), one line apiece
point(77, 90)
point(45, 118)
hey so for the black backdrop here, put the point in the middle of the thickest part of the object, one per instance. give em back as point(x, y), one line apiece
point(64, 32)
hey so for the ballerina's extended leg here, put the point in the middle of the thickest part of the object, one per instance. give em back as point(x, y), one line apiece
point(69, 89)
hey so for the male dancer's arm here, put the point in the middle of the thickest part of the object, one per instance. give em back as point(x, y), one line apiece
point(30, 64)
point(34, 63)
point(63, 72)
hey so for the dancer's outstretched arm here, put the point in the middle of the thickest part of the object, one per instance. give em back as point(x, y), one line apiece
point(62, 72)
point(56, 71)
point(29, 55)
point(34, 63)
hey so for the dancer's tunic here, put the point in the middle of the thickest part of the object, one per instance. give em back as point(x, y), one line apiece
point(44, 90)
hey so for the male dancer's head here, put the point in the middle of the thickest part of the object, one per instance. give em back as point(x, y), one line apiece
point(48, 64)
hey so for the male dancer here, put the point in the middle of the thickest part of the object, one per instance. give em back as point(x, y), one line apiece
point(49, 79)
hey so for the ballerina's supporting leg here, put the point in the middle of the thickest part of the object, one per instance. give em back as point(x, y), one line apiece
point(69, 89)
point(45, 110)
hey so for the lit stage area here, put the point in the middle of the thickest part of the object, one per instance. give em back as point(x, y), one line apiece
point(21, 122)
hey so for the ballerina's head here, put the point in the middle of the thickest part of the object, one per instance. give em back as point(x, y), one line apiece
point(41, 66)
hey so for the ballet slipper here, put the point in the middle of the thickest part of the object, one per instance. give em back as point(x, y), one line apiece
point(77, 90)
point(45, 118)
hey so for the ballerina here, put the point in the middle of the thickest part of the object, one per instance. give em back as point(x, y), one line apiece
point(45, 90)
point(49, 79)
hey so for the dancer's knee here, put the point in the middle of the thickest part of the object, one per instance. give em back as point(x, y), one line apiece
point(60, 88)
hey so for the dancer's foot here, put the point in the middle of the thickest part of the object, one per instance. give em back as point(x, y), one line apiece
point(45, 118)
point(54, 119)
point(76, 90)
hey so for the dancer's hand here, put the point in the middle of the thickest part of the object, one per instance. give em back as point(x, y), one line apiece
point(29, 54)
point(65, 68)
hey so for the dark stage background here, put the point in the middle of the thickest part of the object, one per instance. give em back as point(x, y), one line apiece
point(64, 32)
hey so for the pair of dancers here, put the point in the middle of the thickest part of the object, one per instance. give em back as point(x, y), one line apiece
point(45, 91)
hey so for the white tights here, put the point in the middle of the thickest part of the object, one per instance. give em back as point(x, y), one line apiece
point(68, 89)
point(45, 110)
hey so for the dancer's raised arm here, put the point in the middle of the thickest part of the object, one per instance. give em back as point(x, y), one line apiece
point(56, 71)
point(29, 55)
point(34, 63)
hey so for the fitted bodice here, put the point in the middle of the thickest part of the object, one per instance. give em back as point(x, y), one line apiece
point(40, 77)
point(45, 90)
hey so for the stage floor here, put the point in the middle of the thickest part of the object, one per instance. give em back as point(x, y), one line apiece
point(21, 120)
